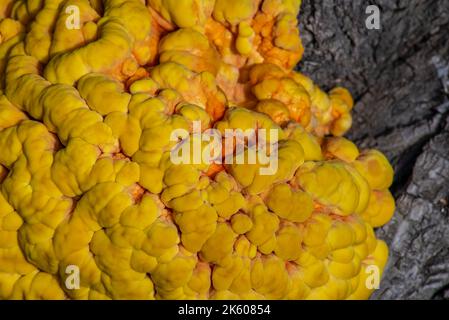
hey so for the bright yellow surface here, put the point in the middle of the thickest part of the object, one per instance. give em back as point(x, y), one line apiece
point(85, 171)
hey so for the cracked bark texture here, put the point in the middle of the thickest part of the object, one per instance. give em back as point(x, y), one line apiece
point(399, 76)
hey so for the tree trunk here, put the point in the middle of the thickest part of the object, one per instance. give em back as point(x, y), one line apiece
point(399, 76)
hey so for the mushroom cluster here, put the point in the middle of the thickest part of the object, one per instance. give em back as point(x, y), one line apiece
point(90, 94)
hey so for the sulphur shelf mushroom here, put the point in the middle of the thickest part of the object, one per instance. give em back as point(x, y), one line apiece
point(86, 179)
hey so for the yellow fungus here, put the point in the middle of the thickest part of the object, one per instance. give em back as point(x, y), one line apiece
point(87, 179)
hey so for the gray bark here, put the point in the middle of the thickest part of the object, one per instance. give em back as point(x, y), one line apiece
point(399, 76)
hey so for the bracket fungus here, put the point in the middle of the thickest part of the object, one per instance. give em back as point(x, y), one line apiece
point(86, 177)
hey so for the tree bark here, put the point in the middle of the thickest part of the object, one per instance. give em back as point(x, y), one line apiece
point(399, 76)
